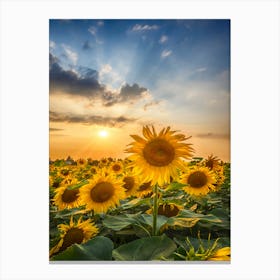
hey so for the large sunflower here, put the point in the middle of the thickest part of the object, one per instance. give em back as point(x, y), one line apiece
point(156, 157)
point(67, 199)
point(102, 193)
point(79, 232)
point(198, 181)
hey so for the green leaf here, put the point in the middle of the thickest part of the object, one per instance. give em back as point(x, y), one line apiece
point(69, 212)
point(119, 222)
point(97, 249)
point(182, 222)
point(143, 220)
point(136, 202)
point(149, 248)
point(77, 186)
point(148, 220)
point(187, 219)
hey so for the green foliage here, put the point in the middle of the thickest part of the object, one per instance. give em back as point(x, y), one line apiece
point(125, 232)
point(97, 249)
point(145, 249)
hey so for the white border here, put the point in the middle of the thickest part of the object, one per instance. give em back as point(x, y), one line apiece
point(254, 143)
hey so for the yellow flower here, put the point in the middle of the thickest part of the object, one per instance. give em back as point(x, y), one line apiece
point(116, 167)
point(102, 193)
point(78, 233)
point(144, 190)
point(67, 199)
point(156, 157)
point(131, 183)
point(167, 209)
point(220, 177)
point(103, 162)
point(198, 181)
point(222, 254)
point(212, 162)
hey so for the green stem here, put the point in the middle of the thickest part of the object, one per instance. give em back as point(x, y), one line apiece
point(155, 210)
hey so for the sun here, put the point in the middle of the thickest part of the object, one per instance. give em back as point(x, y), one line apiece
point(103, 133)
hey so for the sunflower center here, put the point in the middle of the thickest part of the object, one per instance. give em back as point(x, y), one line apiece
point(116, 167)
point(144, 186)
point(197, 179)
point(168, 211)
point(102, 192)
point(73, 235)
point(129, 183)
point(69, 195)
point(159, 152)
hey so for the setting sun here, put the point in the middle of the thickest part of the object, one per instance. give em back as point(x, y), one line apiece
point(103, 133)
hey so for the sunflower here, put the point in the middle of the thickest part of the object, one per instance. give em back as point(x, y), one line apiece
point(79, 232)
point(65, 198)
point(212, 162)
point(102, 193)
point(116, 167)
point(222, 254)
point(220, 177)
point(158, 156)
point(144, 190)
point(131, 183)
point(103, 162)
point(167, 209)
point(198, 181)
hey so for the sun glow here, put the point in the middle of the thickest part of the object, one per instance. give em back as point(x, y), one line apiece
point(103, 133)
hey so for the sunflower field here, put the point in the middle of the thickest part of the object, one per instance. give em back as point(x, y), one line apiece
point(161, 203)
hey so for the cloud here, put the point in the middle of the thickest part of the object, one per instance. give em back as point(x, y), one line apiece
point(202, 69)
point(166, 53)
point(87, 45)
point(93, 31)
point(69, 82)
point(107, 68)
point(211, 135)
point(70, 54)
point(85, 83)
point(150, 104)
point(100, 23)
point(90, 119)
point(128, 94)
point(163, 39)
point(52, 45)
point(143, 28)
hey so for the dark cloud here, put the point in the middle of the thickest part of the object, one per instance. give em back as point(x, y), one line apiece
point(85, 83)
point(211, 135)
point(90, 120)
point(128, 94)
point(70, 82)
point(150, 104)
point(87, 46)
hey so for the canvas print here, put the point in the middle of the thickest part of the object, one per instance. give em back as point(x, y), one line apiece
point(139, 140)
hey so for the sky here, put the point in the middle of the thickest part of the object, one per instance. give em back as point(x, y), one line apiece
point(108, 78)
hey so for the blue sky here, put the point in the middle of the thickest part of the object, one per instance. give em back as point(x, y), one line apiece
point(126, 73)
